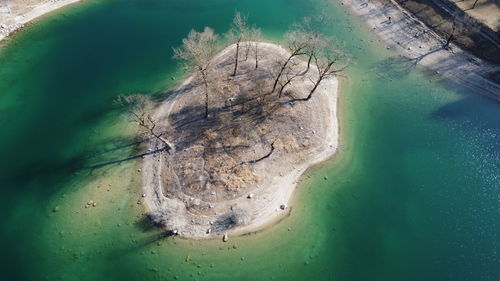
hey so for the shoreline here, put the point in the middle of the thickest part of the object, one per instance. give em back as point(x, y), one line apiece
point(281, 188)
point(17, 22)
point(420, 46)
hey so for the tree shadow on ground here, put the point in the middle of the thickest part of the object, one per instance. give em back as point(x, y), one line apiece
point(241, 114)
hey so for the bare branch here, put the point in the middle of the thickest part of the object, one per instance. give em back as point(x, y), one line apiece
point(196, 52)
point(255, 35)
point(326, 60)
point(239, 32)
point(139, 107)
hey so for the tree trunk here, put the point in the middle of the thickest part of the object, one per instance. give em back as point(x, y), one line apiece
point(151, 130)
point(448, 41)
point(284, 86)
point(165, 142)
point(162, 139)
point(474, 5)
point(451, 36)
point(281, 72)
point(256, 55)
point(206, 102)
point(247, 50)
point(309, 63)
point(313, 89)
point(203, 75)
point(322, 75)
point(297, 52)
point(237, 54)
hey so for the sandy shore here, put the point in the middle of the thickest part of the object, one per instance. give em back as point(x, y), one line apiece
point(420, 46)
point(281, 175)
point(14, 16)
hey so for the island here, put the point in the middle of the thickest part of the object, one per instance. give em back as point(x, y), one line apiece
point(235, 139)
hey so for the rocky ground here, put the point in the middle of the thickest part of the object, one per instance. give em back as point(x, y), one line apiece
point(14, 14)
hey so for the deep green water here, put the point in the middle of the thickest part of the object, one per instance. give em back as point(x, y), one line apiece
point(413, 194)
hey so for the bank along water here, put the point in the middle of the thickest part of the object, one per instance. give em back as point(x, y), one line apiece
point(412, 194)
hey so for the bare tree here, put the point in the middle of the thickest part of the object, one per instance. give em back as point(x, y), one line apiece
point(325, 62)
point(298, 44)
point(248, 47)
point(238, 32)
point(451, 34)
point(139, 108)
point(196, 52)
point(255, 35)
point(288, 76)
point(461, 24)
point(304, 39)
point(312, 36)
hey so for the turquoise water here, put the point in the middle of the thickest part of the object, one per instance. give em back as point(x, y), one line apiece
point(413, 193)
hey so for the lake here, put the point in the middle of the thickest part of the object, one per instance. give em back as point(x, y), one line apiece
point(412, 194)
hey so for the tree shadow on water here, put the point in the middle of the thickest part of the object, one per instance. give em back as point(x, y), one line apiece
point(121, 160)
point(145, 224)
point(151, 235)
point(474, 111)
point(399, 67)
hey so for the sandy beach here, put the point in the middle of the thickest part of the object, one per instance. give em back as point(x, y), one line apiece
point(15, 14)
point(420, 46)
point(280, 174)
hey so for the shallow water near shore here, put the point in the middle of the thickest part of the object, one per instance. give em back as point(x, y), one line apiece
point(413, 193)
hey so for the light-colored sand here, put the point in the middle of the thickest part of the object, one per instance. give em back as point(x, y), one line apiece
point(420, 46)
point(15, 14)
point(281, 174)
